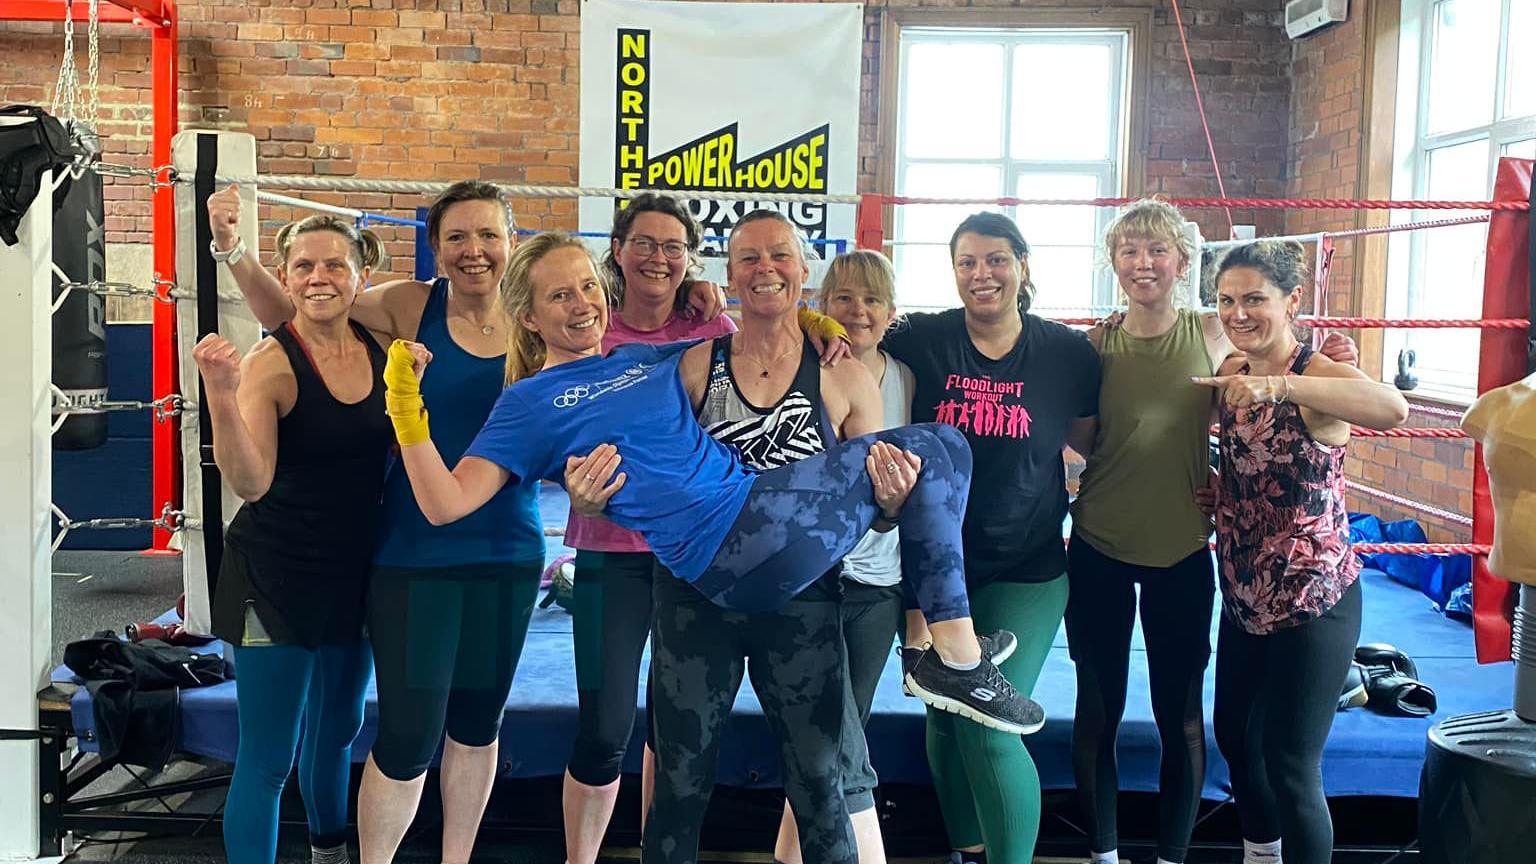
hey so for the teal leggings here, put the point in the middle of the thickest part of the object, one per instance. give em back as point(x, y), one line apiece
point(285, 694)
point(988, 788)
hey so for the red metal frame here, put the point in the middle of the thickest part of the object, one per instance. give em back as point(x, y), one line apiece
point(159, 17)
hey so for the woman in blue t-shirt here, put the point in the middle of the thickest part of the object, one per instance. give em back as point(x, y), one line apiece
point(747, 541)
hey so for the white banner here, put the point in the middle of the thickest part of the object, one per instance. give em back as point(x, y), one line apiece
point(739, 97)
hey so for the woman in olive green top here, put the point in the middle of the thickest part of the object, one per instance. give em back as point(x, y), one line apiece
point(1135, 522)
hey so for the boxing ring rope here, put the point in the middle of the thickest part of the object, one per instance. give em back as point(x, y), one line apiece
point(164, 175)
point(870, 234)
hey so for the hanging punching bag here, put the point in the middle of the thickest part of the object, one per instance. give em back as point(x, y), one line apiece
point(80, 324)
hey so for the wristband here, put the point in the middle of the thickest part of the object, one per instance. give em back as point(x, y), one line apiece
point(229, 257)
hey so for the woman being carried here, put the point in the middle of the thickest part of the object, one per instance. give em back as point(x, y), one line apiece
point(744, 540)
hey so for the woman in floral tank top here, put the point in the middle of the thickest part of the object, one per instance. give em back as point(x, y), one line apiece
point(1289, 582)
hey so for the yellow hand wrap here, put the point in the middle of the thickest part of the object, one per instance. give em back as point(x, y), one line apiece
point(402, 397)
point(823, 326)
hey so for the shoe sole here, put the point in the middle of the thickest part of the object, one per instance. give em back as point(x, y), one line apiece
point(1354, 698)
point(944, 703)
point(1004, 653)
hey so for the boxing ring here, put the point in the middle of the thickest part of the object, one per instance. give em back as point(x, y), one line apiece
point(1367, 754)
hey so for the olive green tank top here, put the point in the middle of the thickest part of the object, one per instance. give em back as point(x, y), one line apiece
point(1137, 498)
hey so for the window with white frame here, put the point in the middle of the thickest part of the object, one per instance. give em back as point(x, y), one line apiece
point(1028, 113)
point(1466, 97)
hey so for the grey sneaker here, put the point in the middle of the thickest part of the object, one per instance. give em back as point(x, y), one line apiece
point(981, 694)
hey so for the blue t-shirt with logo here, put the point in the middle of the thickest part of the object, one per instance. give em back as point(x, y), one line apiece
point(684, 489)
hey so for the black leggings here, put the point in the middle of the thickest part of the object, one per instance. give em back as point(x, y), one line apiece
point(610, 621)
point(1176, 605)
point(1276, 697)
point(798, 664)
point(445, 645)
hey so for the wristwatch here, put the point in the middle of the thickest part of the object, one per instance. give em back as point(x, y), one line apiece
point(230, 256)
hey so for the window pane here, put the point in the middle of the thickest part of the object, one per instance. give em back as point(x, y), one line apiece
point(1063, 103)
point(1052, 226)
point(1063, 277)
point(1520, 149)
point(1520, 74)
point(1459, 172)
point(1461, 66)
point(924, 278)
point(954, 101)
point(1449, 281)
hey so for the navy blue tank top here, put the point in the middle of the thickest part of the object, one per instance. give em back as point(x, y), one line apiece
point(300, 553)
point(459, 390)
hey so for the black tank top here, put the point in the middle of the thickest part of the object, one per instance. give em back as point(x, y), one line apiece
point(302, 552)
point(794, 427)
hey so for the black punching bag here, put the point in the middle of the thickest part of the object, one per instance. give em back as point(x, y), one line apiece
point(80, 324)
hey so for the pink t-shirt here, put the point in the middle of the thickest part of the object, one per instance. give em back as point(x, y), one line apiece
point(598, 534)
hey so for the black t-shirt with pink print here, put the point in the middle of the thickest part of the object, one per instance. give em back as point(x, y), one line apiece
point(1015, 412)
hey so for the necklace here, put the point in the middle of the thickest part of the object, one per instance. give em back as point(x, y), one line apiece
point(769, 364)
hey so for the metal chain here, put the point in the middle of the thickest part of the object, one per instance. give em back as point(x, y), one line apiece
point(92, 110)
point(66, 93)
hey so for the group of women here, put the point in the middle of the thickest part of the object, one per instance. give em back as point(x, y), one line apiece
point(443, 554)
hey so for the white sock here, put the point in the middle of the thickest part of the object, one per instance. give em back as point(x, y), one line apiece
point(1261, 853)
point(1110, 857)
point(1166, 861)
point(963, 667)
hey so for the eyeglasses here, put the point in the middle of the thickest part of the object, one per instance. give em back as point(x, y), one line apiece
point(647, 247)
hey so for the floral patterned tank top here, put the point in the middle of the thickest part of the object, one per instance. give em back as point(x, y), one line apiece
point(1282, 534)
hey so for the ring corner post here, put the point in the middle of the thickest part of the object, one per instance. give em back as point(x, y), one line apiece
point(26, 452)
point(165, 481)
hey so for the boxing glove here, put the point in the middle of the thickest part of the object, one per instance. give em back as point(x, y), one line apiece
point(1382, 654)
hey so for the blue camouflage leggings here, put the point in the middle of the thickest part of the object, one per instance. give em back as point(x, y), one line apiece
point(802, 518)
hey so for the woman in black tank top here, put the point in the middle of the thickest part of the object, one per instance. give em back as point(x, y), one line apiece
point(301, 435)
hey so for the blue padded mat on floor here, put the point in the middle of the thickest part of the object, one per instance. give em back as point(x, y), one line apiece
point(1367, 754)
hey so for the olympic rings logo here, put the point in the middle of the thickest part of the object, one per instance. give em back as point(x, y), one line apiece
point(572, 396)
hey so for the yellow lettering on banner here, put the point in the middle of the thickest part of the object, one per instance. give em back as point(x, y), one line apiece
point(798, 173)
point(816, 160)
point(744, 177)
point(674, 173)
point(632, 74)
point(765, 174)
point(631, 156)
point(634, 45)
point(707, 157)
point(781, 175)
point(691, 168)
point(629, 180)
point(629, 102)
point(653, 172)
point(632, 126)
point(723, 163)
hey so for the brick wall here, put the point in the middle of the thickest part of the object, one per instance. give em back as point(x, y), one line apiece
point(447, 89)
point(1328, 116)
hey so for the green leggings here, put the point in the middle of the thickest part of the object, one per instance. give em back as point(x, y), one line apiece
point(988, 788)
